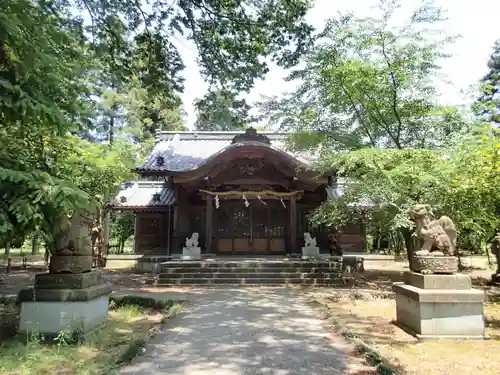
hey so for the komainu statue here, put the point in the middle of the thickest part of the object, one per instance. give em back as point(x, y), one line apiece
point(192, 241)
point(436, 236)
point(309, 241)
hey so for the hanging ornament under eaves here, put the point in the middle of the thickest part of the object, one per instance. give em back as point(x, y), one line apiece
point(283, 203)
point(247, 203)
point(260, 199)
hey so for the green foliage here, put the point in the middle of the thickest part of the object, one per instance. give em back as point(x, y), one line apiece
point(231, 37)
point(368, 104)
point(222, 110)
point(122, 227)
point(116, 79)
point(473, 196)
point(460, 183)
point(144, 302)
point(136, 82)
point(389, 180)
point(137, 70)
point(42, 63)
point(367, 83)
point(488, 104)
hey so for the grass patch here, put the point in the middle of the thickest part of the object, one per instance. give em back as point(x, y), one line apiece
point(124, 336)
point(367, 323)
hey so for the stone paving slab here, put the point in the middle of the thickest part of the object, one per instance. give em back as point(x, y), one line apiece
point(264, 331)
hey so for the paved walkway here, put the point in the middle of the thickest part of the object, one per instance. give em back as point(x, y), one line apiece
point(244, 331)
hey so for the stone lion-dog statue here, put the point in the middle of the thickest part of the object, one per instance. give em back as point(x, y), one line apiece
point(437, 236)
point(309, 241)
point(192, 241)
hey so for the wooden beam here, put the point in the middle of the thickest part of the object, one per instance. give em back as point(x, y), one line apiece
point(263, 197)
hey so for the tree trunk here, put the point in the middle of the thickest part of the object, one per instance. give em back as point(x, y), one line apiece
point(46, 255)
point(105, 229)
point(409, 244)
point(35, 244)
point(7, 250)
point(111, 130)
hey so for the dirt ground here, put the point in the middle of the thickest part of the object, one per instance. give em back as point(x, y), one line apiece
point(371, 320)
point(382, 271)
point(369, 317)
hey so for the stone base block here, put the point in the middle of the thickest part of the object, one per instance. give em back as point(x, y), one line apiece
point(440, 313)
point(52, 309)
point(50, 318)
point(191, 253)
point(446, 282)
point(310, 252)
point(68, 280)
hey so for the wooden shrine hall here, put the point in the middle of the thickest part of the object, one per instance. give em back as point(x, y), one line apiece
point(243, 193)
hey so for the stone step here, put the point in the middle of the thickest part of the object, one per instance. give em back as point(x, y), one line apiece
point(244, 274)
point(248, 281)
point(247, 269)
point(255, 265)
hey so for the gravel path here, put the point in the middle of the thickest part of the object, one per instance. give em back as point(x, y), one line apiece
point(245, 331)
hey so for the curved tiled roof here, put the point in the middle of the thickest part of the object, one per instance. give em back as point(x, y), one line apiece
point(140, 194)
point(187, 151)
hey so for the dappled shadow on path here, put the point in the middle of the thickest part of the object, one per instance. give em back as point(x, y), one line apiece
point(245, 331)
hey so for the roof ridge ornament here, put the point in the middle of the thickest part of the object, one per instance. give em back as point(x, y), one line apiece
point(251, 135)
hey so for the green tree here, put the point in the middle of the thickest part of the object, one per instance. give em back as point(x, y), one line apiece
point(367, 102)
point(122, 228)
point(222, 110)
point(232, 37)
point(53, 66)
point(138, 68)
point(487, 105)
point(136, 82)
point(367, 83)
point(473, 197)
point(388, 182)
point(45, 96)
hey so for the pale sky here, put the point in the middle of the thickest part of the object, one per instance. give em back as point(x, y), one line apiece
point(476, 21)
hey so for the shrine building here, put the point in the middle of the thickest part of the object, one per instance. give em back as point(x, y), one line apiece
point(244, 193)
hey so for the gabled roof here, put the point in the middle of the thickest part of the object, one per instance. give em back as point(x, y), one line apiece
point(143, 194)
point(186, 151)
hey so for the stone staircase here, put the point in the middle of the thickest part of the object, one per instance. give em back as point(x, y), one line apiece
point(297, 272)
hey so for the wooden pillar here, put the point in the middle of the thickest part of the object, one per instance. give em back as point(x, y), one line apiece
point(137, 233)
point(293, 224)
point(208, 224)
point(169, 229)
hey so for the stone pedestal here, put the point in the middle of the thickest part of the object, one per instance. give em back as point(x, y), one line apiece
point(433, 264)
point(191, 253)
point(310, 252)
point(78, 302)
point(439, 306)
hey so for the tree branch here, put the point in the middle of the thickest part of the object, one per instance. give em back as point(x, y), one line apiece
point(358, 114)
point(394, 91)
point(381, 120)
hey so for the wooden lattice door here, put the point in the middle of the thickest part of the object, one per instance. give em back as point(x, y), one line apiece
point(241, 220)
point(255, 229)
